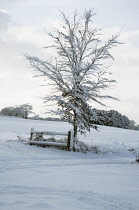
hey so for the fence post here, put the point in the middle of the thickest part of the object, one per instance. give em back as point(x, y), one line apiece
point(70, 140)
point(68, 145)
point(31, 133)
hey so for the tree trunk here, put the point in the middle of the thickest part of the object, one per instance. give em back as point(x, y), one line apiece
point(26, 114)
point(75, 133)
point(75, 127)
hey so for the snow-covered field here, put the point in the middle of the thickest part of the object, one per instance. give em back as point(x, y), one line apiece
point(34, 178)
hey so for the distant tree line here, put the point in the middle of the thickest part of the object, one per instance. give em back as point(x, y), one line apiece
point(37, 117)
point(100, 117)
point(22, 111)
point(112, 118)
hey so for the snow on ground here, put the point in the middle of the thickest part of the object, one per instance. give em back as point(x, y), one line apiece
point(34, 178)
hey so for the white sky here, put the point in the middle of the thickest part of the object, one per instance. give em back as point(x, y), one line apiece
point(22, 24)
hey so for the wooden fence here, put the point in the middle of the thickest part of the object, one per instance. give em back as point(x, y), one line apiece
point(37, 138)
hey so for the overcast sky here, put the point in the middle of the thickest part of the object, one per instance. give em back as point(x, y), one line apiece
point(22, 24)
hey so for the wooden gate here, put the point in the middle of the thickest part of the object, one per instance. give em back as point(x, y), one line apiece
point(37, 138)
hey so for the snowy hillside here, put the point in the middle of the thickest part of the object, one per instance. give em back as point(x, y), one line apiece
point(46, 178)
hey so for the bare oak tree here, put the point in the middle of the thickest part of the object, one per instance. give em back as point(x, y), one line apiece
point(78, 72)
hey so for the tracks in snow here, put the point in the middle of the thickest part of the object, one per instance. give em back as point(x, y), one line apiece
point(26, 197)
